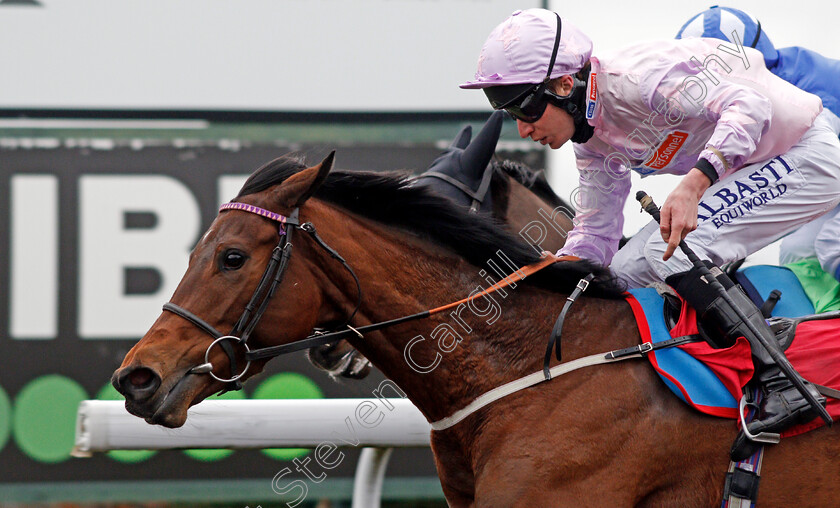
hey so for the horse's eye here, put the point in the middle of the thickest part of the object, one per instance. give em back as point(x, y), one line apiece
point(232, 260)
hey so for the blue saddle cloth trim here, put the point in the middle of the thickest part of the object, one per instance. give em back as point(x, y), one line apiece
point(688, 375)
point(765, 278)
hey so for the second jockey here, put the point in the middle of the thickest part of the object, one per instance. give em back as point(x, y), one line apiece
point(813, 251)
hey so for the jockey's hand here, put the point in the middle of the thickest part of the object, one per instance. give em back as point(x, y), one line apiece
point(678, 216)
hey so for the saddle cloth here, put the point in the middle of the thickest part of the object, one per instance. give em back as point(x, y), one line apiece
point(712, 380)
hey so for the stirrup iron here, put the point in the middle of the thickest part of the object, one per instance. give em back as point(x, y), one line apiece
point(761, 437)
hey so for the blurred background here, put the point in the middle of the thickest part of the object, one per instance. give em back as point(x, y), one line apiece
point(123, 125)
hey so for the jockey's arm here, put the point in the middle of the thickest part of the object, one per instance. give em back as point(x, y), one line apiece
point(679, 212)
point(741, 116)
point(599, 220)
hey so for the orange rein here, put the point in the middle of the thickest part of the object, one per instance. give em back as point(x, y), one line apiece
point(318, 339)
point(548, 259)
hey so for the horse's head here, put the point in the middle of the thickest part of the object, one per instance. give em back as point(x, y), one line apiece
point(462, 173)
point(222, 300)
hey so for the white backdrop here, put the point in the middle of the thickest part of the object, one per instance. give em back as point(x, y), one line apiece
point(275, 55)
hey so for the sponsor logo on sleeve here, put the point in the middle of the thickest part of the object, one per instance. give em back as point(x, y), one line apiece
point(666, 151)
point(593, 97)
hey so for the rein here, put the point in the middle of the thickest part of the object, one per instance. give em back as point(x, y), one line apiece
point(271, 278)
point(319, 338)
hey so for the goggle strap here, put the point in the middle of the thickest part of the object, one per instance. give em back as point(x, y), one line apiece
point(556, 47)
point(539, 89)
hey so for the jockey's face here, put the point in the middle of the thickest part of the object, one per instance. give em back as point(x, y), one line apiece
point(555, 127)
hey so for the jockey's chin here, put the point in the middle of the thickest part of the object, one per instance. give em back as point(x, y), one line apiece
point(554, 128)
point(557, 144)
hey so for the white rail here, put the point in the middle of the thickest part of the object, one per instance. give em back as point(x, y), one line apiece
point(377, 426)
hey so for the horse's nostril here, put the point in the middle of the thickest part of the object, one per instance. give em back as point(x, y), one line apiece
point(137, 383)
point(140, 378)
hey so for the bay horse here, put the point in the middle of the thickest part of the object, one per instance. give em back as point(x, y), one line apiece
point(610, 435)
point(518, 199)
point(505, 191)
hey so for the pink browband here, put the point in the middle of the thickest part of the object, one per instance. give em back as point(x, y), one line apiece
point(262, 212)
point(282, 219)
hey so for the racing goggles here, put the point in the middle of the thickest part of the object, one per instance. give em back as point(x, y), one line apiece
point(522, 102)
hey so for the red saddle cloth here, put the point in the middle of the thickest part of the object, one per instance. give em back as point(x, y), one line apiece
point(814, 352)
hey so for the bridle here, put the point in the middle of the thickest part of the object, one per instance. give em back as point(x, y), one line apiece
point(477, 196)
point(256, 307)
point(271, 278)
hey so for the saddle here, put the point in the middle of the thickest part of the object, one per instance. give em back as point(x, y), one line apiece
point(768, 283)
point(710, 375)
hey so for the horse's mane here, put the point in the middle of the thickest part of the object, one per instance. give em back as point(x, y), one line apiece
point(388, 197)
point(534, 180)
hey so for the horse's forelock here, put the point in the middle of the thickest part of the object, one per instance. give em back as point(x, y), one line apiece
point(272, 173)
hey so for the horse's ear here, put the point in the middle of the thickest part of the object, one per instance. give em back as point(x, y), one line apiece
point(462, 140)
point(476, 156)
point(301, 186)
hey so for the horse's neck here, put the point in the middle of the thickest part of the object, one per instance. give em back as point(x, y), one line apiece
point(445, 361)
point(534, 219)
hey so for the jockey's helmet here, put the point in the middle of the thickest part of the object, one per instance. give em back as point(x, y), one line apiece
point(719, 23)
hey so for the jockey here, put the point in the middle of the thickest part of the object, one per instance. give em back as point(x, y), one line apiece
point(756, 156)
point(813, 73)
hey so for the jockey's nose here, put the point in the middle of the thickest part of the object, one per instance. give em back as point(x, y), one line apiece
point(136, 383)
point(525, 129)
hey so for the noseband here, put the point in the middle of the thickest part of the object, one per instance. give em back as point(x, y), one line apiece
point(254, 310)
